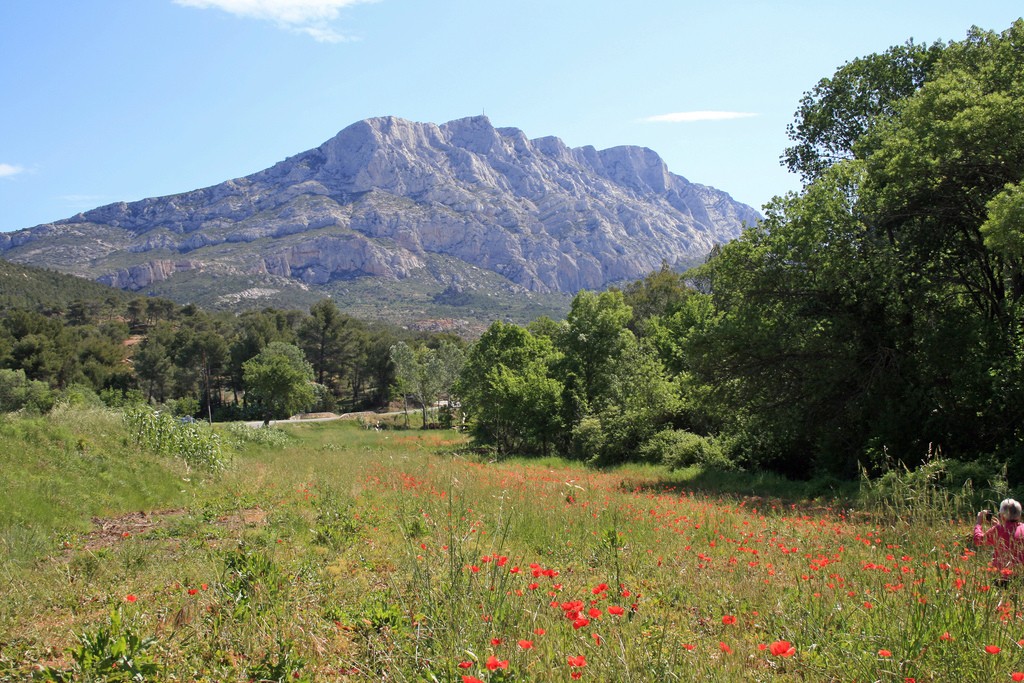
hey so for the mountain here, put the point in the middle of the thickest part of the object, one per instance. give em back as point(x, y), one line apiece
point(391, 211)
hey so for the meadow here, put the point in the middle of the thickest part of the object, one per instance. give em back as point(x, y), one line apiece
point(329, 552)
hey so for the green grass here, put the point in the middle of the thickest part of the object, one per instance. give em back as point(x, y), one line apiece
point(60, 470)
point(330, 552)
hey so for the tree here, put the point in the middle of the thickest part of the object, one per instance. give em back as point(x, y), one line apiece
point(838, 111)
point(278, 381)
point(879, 311)
point(508, 392)
point(326, 338)
point(594, 338)
point(426, 373)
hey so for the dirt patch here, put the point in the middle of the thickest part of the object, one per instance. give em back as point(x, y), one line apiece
point(109, 531)
point(243, 519)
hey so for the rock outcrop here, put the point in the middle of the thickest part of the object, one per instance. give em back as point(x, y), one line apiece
point(385, 194)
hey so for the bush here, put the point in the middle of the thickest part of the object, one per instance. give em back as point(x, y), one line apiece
point(678, 449)
point(17, 392)
point(589, 440)
point(80, 396)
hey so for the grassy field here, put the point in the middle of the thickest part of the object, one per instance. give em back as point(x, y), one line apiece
point(328, 552)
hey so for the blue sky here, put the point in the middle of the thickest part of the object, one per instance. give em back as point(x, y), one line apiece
point(117, 100)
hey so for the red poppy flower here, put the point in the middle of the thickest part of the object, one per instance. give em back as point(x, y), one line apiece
point(578, 660)
point(993, 649)
point(526, 644)
point(616, 610)
point(884, 653)
point(471, 679)
point(493, 663)
point(130, 598)
point(728, 620)
point(782, 648)
point(689, 646)
point(465, 665)
point(1017, 676)
point(724, 648)
point(946, 636)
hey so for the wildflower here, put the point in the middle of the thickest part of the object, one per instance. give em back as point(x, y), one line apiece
point(526, 644)
point(193, 591)
point(1017, 676)
point(946, 636)
point(884, 653)
point(539, 631)
point(496, 641)
point(689, 646)
point(130, 598)
point(616, 610)
point(577, 661)
point(493, 663)
point(465, 665)
point(728, 620)
point(580, 623)
point(724, 648)
point(471, 679)
point(782, 648)
point(594, 613)
point(993, 649)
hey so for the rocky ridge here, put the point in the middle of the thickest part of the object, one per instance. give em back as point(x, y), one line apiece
point(385, 195)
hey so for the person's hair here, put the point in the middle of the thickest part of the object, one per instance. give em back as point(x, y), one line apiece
point(1009, 509)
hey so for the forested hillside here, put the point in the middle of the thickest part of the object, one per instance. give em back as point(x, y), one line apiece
point(63, 336)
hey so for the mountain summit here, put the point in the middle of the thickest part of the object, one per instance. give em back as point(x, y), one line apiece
point(393, 199)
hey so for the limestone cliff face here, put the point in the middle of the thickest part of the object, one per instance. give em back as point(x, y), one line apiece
point(384, 194)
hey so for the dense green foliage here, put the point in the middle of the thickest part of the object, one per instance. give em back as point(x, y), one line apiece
point(874, 317)
point(78, 336)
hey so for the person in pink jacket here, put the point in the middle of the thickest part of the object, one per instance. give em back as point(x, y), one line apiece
point(1006, 534)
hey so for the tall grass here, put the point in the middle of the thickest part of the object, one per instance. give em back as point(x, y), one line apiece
point(341, 553)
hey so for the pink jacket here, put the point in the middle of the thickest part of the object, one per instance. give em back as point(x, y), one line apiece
point(1008, 539)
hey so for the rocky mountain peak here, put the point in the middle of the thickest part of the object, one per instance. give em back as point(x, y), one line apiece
point(395, 199)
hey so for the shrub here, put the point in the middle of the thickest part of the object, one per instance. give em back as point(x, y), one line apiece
point(677, 449)
point(17, 392)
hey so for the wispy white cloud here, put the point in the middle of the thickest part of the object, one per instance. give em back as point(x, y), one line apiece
point(83, 199)
point(10, 170)
point(311, 17)
point(692, 116)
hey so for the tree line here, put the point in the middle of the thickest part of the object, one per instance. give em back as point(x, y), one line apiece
point(258, 364)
